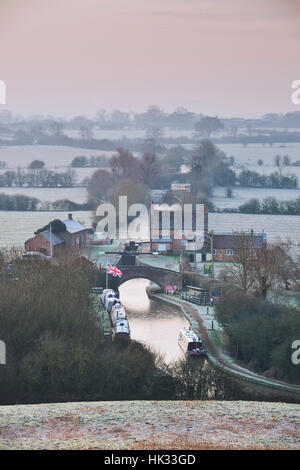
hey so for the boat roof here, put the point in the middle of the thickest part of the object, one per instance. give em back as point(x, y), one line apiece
point(190, 335)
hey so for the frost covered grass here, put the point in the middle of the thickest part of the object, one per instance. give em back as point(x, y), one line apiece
point(151, 425)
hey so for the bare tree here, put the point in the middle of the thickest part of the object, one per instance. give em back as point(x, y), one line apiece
point(272, 266)
point(100, 184)
point(124, 164)
point(149, 168)
point(240, 271)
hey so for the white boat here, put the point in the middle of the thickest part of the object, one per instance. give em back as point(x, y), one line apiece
point(105, 294)
point(112, 302)
point(122, 329)
point(190, 343)
point(118, 313)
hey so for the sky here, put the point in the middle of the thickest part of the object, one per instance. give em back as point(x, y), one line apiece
point(217, 57)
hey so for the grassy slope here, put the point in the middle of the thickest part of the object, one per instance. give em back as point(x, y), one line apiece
point(150, 425)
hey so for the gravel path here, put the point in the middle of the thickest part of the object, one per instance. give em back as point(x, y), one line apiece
point(140, 424)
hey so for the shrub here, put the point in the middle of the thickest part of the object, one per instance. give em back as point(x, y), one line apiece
point(261, 332)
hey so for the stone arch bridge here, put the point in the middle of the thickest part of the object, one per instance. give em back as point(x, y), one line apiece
point(161, 277)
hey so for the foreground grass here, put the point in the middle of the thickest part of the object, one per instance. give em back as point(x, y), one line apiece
point(151, 425)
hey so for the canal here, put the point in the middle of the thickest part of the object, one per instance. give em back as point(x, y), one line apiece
point(152, 322)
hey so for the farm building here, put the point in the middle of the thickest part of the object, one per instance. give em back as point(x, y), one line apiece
point(225, 244)
point(72, 235)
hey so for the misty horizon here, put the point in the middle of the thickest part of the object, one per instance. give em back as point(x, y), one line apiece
point(92, 115)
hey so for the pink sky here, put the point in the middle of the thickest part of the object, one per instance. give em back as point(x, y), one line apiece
point(224, 57)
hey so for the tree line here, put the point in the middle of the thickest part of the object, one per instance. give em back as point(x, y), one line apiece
point(268, 205)
point(38, 178)
point(136, 176)
point(89, 162)
point(252, 179)
point(21, 202)
point(153, 116)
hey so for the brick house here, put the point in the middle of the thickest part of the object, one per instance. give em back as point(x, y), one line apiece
point(163, 240)
point(76, 234)
point(225, 244)
point(41, 243)
point(75, 237)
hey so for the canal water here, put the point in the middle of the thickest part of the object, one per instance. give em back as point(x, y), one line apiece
point(152, 322)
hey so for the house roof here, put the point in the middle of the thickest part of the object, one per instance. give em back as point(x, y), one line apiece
point(73, 226)
point(238, 240)
point(55, 238)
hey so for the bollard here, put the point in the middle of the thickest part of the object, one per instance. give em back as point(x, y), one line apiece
point(207, 311)
point(212, 324)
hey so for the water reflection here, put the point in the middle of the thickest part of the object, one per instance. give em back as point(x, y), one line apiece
point(155, 323)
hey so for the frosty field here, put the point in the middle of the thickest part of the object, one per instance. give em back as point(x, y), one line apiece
point(54, 156)
point(151, 425)
point(16, 227)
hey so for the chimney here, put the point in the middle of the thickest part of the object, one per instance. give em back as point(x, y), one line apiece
point(70, 217)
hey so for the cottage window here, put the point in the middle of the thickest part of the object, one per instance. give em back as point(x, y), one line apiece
point(214, 251)
point(161, 247)
point(229, 252)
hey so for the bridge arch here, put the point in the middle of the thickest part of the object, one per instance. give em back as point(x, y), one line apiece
point(161, 277)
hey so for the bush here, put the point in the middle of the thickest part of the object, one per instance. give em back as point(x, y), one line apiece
point(36, 164)
point(18, 202)
point(260, 332)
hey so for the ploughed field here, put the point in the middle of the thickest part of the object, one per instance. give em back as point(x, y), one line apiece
point(151, 425)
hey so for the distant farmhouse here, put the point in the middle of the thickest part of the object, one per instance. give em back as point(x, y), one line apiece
point(72, 235)
point(226, 244)
point(164, 241)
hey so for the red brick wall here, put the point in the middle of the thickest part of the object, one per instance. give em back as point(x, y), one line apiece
point(38, 243)
point(221, 255)
point(71, 239)
point(155, 246)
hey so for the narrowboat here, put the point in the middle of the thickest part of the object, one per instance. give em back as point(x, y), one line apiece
point(190, 343)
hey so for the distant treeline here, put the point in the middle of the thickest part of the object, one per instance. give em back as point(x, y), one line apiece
point(152, 117)
point(252, 179)
point(91, 162)
point(269, 205)
point(20, 202)
point(137, 144)
point(38, 178)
